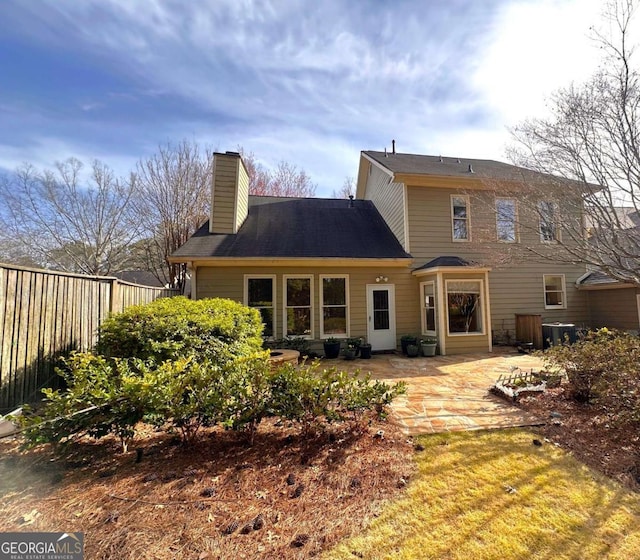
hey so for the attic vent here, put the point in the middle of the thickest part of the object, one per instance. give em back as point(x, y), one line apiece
point(471, 169)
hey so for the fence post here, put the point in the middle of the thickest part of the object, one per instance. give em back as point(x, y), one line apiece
point(114, 303)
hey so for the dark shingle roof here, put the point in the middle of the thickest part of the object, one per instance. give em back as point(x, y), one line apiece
point(415, 164)
point(446, 261)
point(303, 228)
point(597, 277)
point(141, 277)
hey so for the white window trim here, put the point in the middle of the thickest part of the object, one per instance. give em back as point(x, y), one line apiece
point(564, 291)
point(422, 308)
point(348, 317)
point(468, 218)
point(556, 224)
point(284, 304)
point(516, 229)
point(482, 304)
point(272, 277)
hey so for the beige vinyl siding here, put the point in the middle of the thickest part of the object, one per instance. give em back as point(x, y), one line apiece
point(520, 289)
point(242, 199)
point(228, 282)
point(517, 288)
point(224, 193)
point(616, 309)
point(389, 200)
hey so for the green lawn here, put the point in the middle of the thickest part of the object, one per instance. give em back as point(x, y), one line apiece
point(460, 506)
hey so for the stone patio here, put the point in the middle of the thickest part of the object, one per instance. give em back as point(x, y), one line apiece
point(450, 393)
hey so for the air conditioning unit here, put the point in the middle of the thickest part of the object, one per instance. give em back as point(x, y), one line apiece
point(558, 333)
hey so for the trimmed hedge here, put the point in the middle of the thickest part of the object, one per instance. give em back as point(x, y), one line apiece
point(168, 328)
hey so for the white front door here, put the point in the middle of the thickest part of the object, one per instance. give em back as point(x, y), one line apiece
point(381, 316)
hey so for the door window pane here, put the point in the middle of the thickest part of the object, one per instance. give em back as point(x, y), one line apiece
point(380, 309)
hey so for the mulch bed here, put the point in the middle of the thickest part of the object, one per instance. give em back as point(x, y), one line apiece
point(589, 433)
point(285, 496)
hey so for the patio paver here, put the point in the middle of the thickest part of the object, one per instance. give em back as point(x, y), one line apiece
point(450, 393)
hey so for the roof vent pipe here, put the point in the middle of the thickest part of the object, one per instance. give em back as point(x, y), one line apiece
point(385, 152)
point(350, 201)
point(393, 146)
point(471, 169)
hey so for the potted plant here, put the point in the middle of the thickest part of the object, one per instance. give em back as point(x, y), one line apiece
point(365, 351)
point(354, 342)
point(406, 340)
point(350, 352)
point(331, 348)
point(413, 350)
point(429, 345)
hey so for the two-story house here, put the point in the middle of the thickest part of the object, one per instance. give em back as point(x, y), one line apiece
point(417, 252)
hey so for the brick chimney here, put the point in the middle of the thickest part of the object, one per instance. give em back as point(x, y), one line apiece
point(229, 193)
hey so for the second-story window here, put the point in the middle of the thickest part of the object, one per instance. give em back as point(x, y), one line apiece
point(506, 220)
point(460, 217)
point(547, 212)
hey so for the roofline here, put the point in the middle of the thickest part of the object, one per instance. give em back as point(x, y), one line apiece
point(615, 285)
point(362, 182)
point(294, 261)
point(425, 271)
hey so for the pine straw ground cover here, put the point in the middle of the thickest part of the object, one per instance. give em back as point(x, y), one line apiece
point(285, 496)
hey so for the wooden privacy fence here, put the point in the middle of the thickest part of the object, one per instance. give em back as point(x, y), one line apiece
point(46, 314)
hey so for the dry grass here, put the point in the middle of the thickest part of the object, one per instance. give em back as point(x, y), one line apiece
point(496, 495)
point(158, 508)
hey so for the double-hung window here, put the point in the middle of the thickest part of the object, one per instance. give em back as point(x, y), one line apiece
point(464, 306)
point(555, 292)
point(506, 220)
point(298, 306)
point(547, 212)
point(460, 217)
point(334, 301)
point(428, 308)
point(259, 293)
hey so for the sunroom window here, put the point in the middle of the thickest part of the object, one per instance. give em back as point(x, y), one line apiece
point(260, 294)
point(298, 306)
point(428, 308)
point(464, 306)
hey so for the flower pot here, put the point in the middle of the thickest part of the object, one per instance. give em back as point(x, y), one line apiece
point(429, 349)
point(365, 351)
point(331, 350)
point(405, 341)
point(413, 350)
point(350, 353)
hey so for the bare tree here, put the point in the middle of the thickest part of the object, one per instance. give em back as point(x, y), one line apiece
point(173, 192)
point(348, 189)
point(592, 139)
point(285, 180)
point(64, 220)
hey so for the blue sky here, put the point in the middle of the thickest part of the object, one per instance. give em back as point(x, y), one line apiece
point(308, 82)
